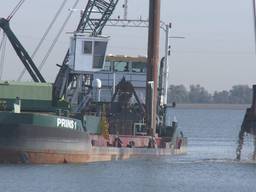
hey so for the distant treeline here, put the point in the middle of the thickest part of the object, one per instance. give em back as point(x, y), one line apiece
point(238, 94)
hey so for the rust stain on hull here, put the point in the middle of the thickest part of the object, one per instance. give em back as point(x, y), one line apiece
point(47, 157)
point(56, 158)
point(97, 154)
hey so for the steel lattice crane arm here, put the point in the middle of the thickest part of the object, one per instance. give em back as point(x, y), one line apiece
point(21, 52)
point(95, 16)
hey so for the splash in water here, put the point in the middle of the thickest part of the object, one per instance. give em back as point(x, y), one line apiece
point(240, 145)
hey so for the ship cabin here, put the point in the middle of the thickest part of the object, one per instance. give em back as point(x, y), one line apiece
point(116, 68)
point(121, 63)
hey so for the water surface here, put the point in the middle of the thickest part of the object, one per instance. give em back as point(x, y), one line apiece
point(208, 166)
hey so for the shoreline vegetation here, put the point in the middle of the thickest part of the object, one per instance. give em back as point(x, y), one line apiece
point(210, 106)
point(239, 96)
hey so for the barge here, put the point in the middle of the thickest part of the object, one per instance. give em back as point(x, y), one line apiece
point(73, 120)
point(29, 136)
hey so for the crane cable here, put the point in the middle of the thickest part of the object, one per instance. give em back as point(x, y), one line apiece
point(57, 37)
point(1, 42)
point(3, 53)
point(4, 38)
point(16, 8)
point(44, 36)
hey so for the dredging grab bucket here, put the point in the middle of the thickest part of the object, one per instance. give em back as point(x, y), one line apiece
point(248, 126)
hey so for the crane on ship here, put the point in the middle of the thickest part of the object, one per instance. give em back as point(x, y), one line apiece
point(74, 80)
point(93, 20)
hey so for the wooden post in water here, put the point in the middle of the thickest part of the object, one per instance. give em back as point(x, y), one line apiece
point(152, 65)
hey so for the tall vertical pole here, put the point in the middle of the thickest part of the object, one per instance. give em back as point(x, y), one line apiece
point(125, 6)
point(254, 152)
point(254, 22)
point(166, 67)
point(152, 64)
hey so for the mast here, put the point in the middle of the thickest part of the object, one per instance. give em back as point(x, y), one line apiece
point(254, 22)
point(125, 6)
point(152, 65)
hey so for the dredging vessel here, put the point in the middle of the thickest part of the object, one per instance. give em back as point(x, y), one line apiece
point(88, 114)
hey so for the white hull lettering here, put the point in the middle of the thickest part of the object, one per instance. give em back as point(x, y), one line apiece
point(66, 123)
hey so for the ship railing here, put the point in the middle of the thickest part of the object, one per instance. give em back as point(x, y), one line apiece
point(95, 114)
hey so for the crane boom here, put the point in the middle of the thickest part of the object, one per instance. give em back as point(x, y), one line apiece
point(21, 52)
point(95, 16)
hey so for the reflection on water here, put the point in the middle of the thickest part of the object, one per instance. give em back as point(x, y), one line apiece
point(208, 166)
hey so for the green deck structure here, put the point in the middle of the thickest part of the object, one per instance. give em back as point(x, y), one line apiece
point(34, 96)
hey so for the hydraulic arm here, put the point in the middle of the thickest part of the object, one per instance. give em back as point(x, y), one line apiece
point(21, 52)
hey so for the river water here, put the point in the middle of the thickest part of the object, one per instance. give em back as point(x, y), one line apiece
point(208, 166)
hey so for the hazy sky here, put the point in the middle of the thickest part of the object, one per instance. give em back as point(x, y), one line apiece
point(217, 52)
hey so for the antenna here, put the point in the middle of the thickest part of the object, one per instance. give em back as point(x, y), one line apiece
point(125, 7)
point(254, 22)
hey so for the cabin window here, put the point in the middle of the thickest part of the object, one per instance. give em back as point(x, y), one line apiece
point(87, 48)
point(99, 54)
point(122, 66)
point(138, 67)
point(107, 66)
